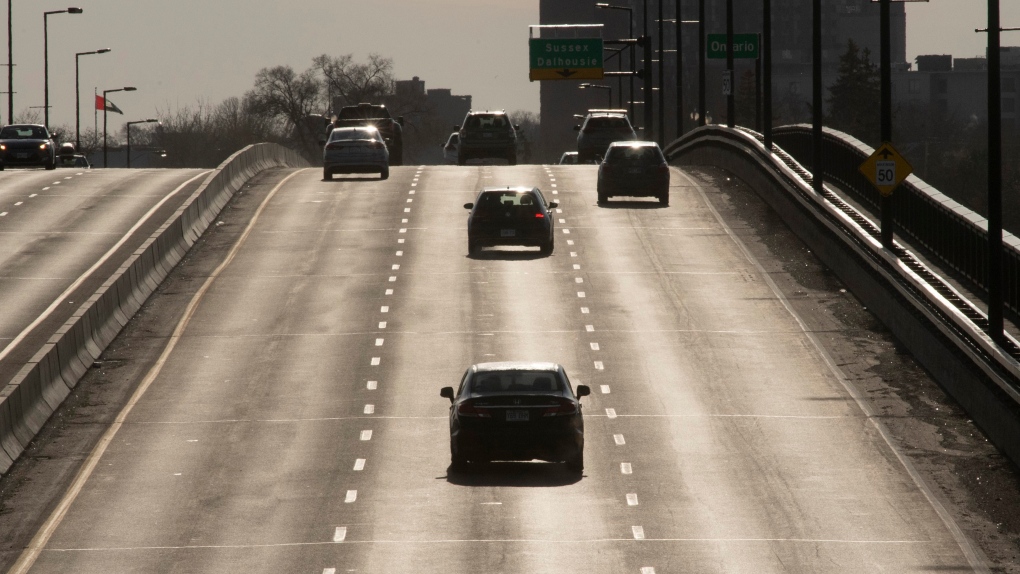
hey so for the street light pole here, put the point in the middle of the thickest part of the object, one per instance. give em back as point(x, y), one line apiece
point(105, 106)
point(701, 63)
point(10, 66)
point(129, 124)
point(633, 58)
point(662, 80)
point(816, 96)
point(678, 14)
point(730, 106)
point(995, 297)
point(767, 73)
point(46, 60)
point(77, 97)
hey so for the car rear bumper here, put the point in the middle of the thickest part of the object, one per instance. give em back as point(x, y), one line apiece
point(517, 444)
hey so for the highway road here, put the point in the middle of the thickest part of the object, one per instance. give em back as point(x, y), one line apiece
point(62, 234)
point(287, 416)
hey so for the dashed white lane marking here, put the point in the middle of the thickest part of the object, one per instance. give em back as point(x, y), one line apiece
point(570, 242)
point(581, 294)
point(578, 280)
point(384, 309)
point(389, 291)
point(639, 532)
point(68, 177)
point(625, 468)
point(393, 279)
point(402, 230)
point(599, 366)
point(631, 499)
point(611, 413)
point(375, 361)
point(400, 253)
point(589, 328)
point(359, 464)
point(411, 192)
point(407, 210)
point(352, 495)
point(619, 440)
point(584, 310)
point(573, 254)
point(33, 195)
point(577, 267)
point(3, 214)
point(558, 210)
point(56, 183)
point(45, 189)
point(369, 409)
point(339, 534)
point(401, 240)
point(647, 570)
point(366, 435)
point(379, 342)
point(410, 200)
point(396, 267)
point(372, 385)
point(403, 221)
point(18, 203)
point(333, 571)
point(567, 231)
point(555, 192)
point(553, 184)
point(382, 324)
point(413, 184)
point(563, 220)
point(605, 389)
point(594, 346)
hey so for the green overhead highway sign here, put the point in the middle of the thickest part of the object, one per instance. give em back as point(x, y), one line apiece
point(566, 59)
point(745, 46)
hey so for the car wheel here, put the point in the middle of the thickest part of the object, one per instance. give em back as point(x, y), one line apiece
point(461, 159)
point(603, 198)
point(327, 174)
point(51, 165)
point(473, 248)
point(664, 199)
point(576, 462)
point(384, 174)
point(547, 247)
point(511, 158)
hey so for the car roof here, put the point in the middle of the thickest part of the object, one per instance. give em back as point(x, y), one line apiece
point(24, 126)
point(634, 144)
point(472, 112)
point(518, 189)
point(569, 153)
point(515, 366)
point(608, 113)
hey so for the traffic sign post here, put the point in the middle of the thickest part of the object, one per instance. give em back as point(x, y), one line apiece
point(566, 59)
point(745, 46)
point(886, 169)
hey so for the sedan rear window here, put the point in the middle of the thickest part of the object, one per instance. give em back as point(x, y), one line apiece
point(23, 132)
point(515, 382)
point(494, 201)
point(635, 154)
point(607, 123)
point(494, 122)
point(354, 134)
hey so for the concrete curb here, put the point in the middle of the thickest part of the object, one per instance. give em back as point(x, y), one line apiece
point(28, 400)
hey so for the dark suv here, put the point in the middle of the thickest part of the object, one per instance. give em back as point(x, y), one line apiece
point(634, 169)
point(27, 145)
point(487, 135)
point(601, 128)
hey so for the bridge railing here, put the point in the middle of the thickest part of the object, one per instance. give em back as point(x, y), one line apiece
point(948, 233)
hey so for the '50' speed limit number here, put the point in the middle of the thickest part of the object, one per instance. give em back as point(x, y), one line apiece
point(885, 173)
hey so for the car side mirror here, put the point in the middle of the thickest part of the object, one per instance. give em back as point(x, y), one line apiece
point(577, 128)
point(582, 391)
point(553, 204)
point(469, 206)
point(446, 392)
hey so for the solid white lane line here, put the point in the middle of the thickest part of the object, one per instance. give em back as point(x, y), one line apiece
point(340, 534)
point(625, 468)
point(599, 366)
point(639, 532)
point(619, 440)
point(594, 346)
point(369, 409)
point(45, 532)
point(632, 499)
point(84, 276)
point(584, 310)
point(605, 389)
point(379, 342)
point(382, 324)
point(366, 435)
point(359, 464)
point(589, 328)
point(352, 495)
point(384, 309)
point(372, 385)
point(375, 361)
point(611, 413)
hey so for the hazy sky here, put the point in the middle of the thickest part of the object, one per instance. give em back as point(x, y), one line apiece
point(179, 52)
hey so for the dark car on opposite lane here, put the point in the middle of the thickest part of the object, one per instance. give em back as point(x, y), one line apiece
point(634, 169)
point(599, 129)
point(510, 216)
point(487, 134)
point(27, 145)
point(511, 411)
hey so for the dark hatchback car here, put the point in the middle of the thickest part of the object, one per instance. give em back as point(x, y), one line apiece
point(510, 216)
point(634, 169)
point(516, 411)
point(599, 129)
point(27, 145)
point(487, 135)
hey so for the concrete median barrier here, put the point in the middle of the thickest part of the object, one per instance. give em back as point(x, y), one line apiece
point(28, 400)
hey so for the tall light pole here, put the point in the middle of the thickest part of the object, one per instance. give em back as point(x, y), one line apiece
point(10, 66)
point(105, 106)
point(46, 59)
point(129, 124)
point(77, 97)
point(701, 63)
point(662, 79)
point(633, 56)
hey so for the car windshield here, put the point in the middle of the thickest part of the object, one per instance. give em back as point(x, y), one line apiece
point(353, 134)
point(496, 200)
point(608, 123)
point(489, 122)
point(23, 132)
point(634, 154)
point(492, 383)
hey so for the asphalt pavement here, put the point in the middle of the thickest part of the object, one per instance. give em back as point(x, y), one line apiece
point(293, 422)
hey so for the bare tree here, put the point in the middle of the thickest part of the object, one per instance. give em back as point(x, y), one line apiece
point(280, 93)
point(349, 82)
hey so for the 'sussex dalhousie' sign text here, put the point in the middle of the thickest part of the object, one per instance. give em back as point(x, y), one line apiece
point(566, 59)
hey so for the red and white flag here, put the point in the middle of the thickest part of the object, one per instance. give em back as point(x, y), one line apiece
point(105, 104)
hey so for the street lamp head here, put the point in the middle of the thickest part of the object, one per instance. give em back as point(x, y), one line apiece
point(74, 10)
point(103, 50)
point(583, 86)
point(129, 88)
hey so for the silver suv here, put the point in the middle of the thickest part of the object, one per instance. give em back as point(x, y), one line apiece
point(601, 128)
point(487, 135)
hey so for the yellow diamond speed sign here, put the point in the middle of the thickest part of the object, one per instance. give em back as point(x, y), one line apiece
point(886, 168)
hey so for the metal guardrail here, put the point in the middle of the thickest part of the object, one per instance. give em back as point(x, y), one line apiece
point(947, 232)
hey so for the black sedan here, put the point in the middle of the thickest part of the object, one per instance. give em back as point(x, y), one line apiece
point(510, 216)
point(516, 411)
point(27, 145)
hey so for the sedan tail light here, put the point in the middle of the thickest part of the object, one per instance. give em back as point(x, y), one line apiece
point(563, 407)
point(470, 410)
point(539, 216)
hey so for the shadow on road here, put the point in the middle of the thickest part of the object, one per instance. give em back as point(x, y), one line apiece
point(616, 204)
point(521, 474)
point(507, 255)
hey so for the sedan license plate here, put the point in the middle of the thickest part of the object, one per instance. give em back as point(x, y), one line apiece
point(21, 155)
point(517, 416)
point(486, 135)
point(634, 171)
point(508, 233)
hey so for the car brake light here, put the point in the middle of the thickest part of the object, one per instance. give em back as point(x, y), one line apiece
point(539, 216)
point(469, 410)
point(563, 407)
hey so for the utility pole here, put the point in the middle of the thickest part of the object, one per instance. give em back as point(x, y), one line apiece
point(816, 93)
point(995, 297)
